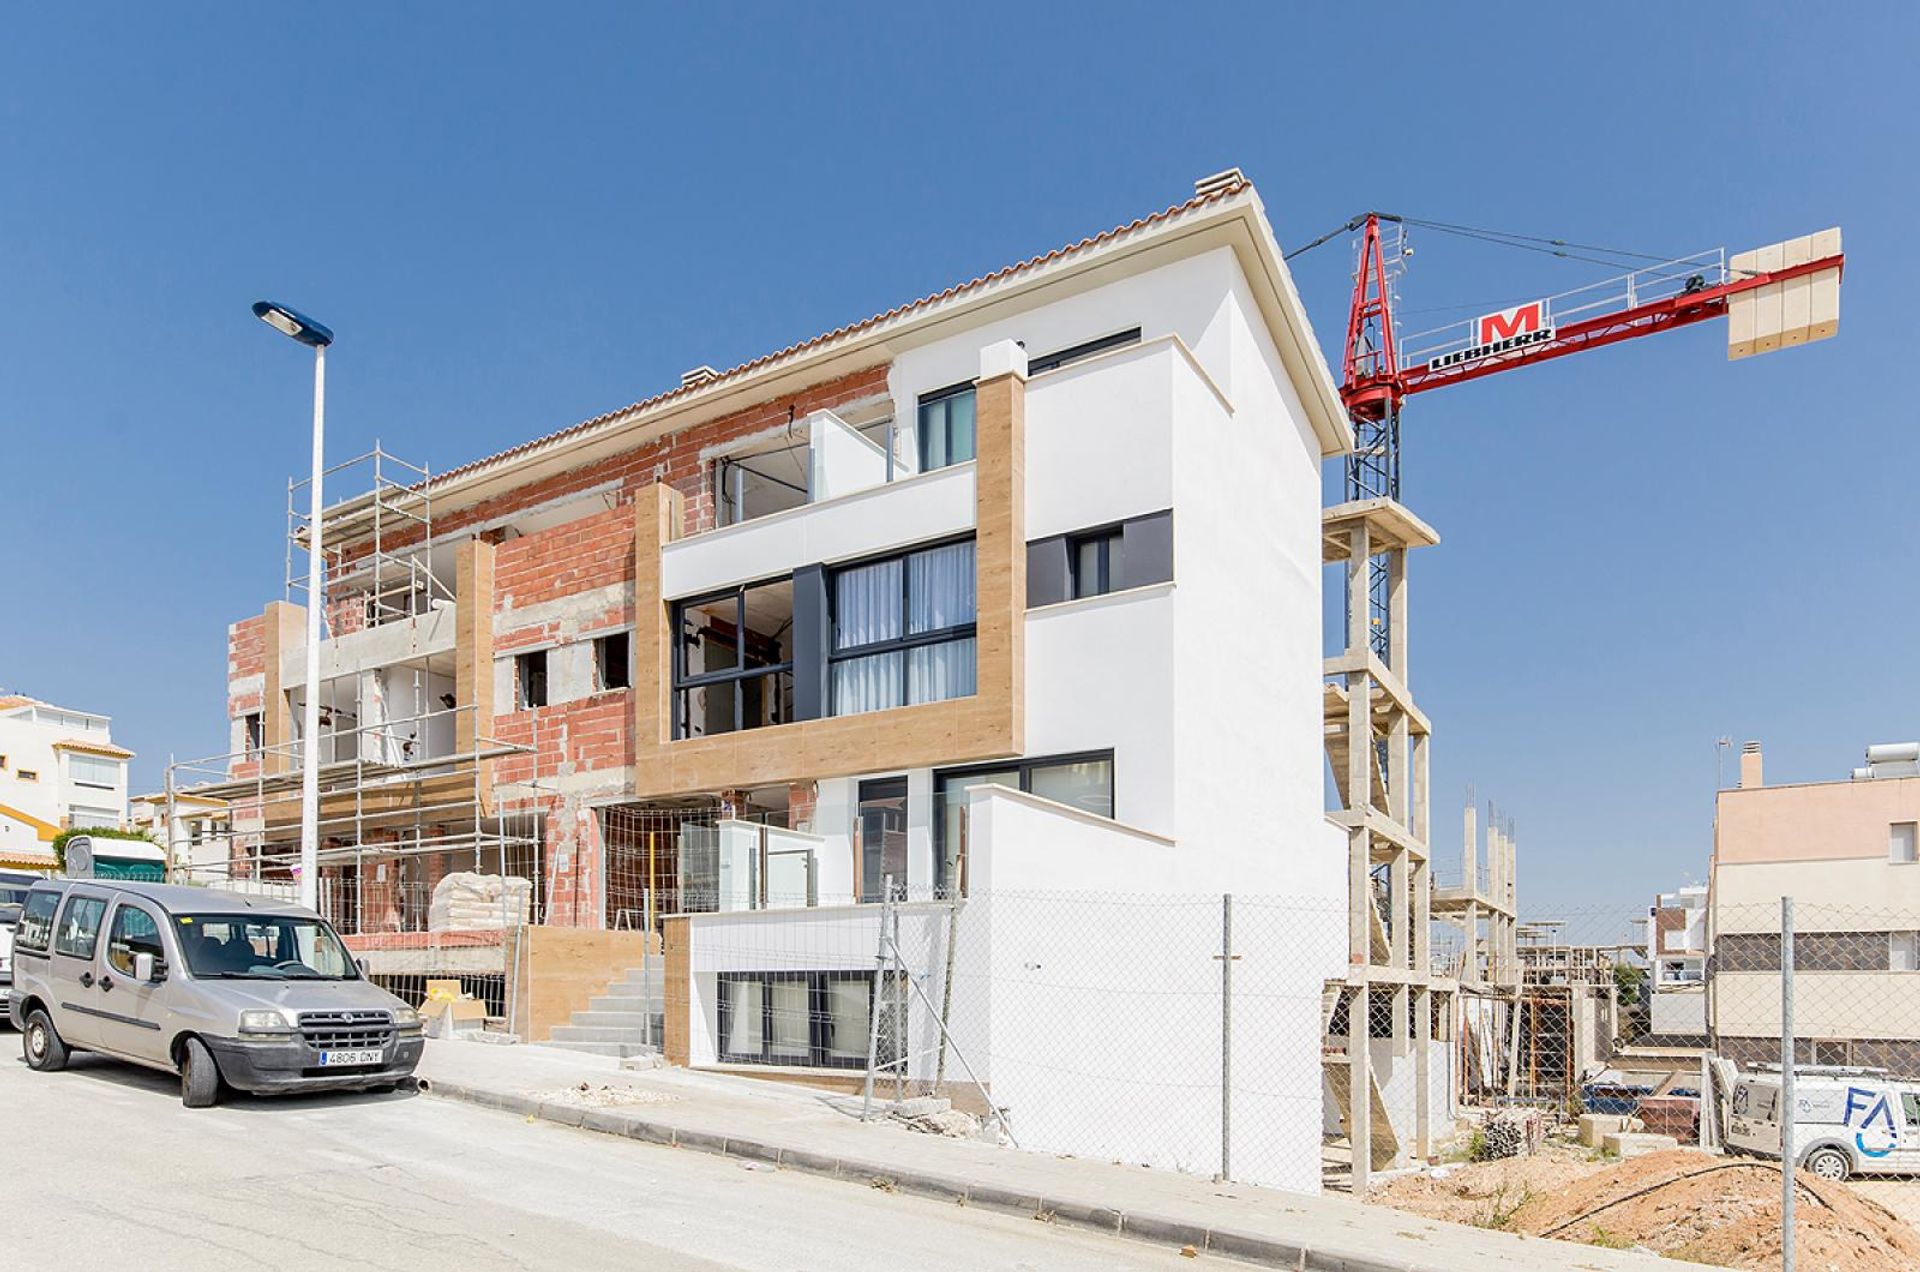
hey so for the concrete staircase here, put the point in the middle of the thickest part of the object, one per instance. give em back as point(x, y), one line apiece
point(621, 1021)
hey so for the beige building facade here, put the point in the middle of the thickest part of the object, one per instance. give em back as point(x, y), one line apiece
point(1845, 852)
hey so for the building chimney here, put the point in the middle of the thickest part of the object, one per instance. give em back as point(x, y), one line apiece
point(1750, 777)
point(1217, 182)
point(699, 375)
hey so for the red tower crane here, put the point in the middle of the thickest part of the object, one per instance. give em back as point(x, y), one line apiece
point(1775, 297)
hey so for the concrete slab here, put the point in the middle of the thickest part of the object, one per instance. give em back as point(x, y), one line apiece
point(1595, 1127)
point(1625, 1144)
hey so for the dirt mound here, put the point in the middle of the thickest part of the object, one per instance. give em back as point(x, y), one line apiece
point(1484, 1194)
point(1722, 1211)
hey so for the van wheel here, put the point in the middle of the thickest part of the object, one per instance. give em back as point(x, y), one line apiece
point(1827, 1163)
point(41, 1043)
point(199, 1076)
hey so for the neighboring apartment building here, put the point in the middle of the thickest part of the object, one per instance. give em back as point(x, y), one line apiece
point(1845, 851)
point(1677, 963)
point(1012, 589)
point(59, 769)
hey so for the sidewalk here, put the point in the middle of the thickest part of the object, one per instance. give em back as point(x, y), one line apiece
point(801, 1129)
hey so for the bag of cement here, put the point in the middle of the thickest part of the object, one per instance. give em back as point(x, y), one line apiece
point(466, 901)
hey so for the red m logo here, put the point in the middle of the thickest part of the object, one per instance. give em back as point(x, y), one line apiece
point(1508, 323)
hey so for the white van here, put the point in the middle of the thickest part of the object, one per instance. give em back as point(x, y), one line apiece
point(1846, 1121)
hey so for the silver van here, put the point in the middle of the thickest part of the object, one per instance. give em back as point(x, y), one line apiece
point(221, 988)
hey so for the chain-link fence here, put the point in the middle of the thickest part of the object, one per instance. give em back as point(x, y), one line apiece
point(1183, 1032)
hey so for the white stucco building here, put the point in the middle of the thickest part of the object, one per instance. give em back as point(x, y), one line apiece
point(59, 769)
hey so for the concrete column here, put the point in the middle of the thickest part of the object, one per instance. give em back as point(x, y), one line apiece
point(1000, 533)
point(657, 513)
point(1422, 1073)
point(1360, 1087)
point(286, 635)
point(1397, 614)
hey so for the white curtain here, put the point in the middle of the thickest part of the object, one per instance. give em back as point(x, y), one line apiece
point(940, 588)
point(866, 604)
point(744, 1018)
point(866, 684)
point(938, 672)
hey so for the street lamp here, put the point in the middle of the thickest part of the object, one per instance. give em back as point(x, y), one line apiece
point(292, 323)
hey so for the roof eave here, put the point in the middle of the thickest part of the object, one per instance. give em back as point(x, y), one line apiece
point(873, 342)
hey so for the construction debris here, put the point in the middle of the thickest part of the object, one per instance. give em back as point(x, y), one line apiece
point(1513, 1133)
point(587, 1095)
point(1680, 1203)
point(467, 902)
point(932, 1116)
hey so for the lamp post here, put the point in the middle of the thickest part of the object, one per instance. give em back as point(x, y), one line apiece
point(310, 333)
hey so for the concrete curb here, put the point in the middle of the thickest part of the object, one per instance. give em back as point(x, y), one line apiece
point(1157, 1229)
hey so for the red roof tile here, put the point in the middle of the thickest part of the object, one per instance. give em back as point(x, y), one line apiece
point(999, 275)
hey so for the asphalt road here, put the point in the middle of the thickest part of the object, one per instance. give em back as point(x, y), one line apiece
point(104, 1168)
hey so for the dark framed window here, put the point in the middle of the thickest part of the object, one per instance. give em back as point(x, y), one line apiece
point(35, 928)
point(903, 630)
point(946, 427)
point(611, 661)
point(134, 932)
point(1118, 557)
point(817, 1020)
point(733, 659)
point(530, 679)
point(1080, 352)
point(882, 819)
point(1091, 561)
point(1083, 781)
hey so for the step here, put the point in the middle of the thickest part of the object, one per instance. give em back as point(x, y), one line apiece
point(619, 1050)
point(613, 1019)
point(596, 1033)
point(622, 1002)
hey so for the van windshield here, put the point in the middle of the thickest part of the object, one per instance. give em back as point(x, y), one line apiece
point(261, 947)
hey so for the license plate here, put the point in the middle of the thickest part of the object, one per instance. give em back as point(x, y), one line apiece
point(340, 1059)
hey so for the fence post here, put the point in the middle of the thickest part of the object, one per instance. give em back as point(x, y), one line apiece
point(1226, 1037)
point(1786, 1084)
point(873, 999)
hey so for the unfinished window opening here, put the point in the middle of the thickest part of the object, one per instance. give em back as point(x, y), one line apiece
point(611, 665)
point(1081, 352)
point(946, 427)
point(903, 630)
point(255, 733)
point(733, 660)
point(530, 679)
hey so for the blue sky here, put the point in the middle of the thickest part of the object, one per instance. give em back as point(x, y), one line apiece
point(518, 217)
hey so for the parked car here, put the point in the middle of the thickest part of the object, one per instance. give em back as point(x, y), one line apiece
point(224, 989)
point(13, 893)
point(1847, 1121)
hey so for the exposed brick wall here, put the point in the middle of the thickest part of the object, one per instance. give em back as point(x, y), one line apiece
point(674, 459)
point(591, 735)
point(590, 552)
point(247, 647)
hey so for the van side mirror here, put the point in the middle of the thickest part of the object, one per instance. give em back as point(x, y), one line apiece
point(147, 969)
point(360, 965)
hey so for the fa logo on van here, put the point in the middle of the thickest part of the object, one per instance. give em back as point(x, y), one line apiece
point(1872, 1108)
